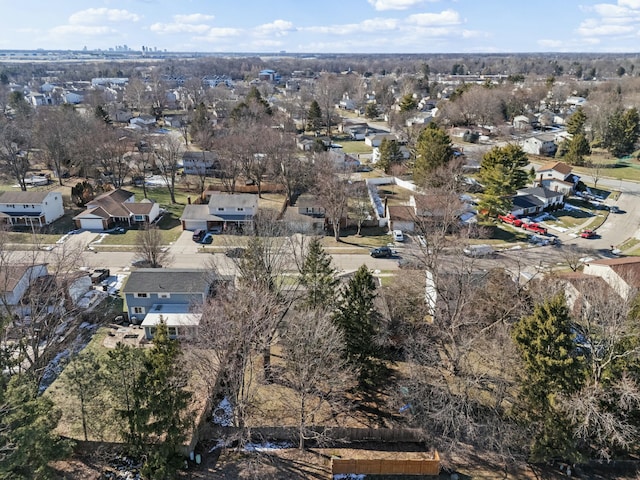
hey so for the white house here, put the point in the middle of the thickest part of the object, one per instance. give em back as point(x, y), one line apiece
point(143, 120)
point(15, 281)
point(556, 176)
point(199, 163)
point(376, 139)
point(539, 145)
point(621, 274)
point(33, 209)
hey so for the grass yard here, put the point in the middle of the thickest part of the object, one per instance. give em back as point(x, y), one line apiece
point(354, 147)
point(394, 194)
point(371, 237)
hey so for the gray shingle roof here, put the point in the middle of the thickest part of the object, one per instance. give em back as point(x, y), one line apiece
point(169, 280)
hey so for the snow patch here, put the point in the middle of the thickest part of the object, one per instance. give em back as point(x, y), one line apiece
point(223, 413)
point(267, 446)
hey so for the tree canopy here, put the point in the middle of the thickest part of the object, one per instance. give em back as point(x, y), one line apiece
point(433, 150)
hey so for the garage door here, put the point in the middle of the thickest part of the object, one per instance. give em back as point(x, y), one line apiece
point(91, 223)
point(195, 225)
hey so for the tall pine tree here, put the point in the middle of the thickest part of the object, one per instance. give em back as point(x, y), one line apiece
point(319, 278)
point(552, 368)
point(433, 150)
point(359, 322)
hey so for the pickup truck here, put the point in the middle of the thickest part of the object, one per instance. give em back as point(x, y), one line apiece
point(510, 219)
point(535, 228)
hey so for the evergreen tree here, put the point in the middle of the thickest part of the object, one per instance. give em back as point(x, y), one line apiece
point(358, 321)
point(27, 441)
point(577, 148)
point(390, 154)
point(319, 278)
point(408, 103)
point(622, 131)
point(371, 111)
point(502, 173)
point(576, 122)
point(102, 114)
point(167, 401)
point(314, 117)
point(552, 367)
point(433, 151)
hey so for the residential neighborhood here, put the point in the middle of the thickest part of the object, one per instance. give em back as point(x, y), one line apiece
point(235, 256)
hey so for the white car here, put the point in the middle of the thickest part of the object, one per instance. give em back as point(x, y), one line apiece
point(398, 236)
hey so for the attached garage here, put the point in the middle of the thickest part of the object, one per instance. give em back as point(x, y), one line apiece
point(194, 224)
point(91, 222)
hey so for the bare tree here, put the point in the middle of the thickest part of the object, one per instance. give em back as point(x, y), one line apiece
point(52, 133)
point(150, 247)
point(15, 144)
point(360, 204)
point(332, 190)
point(136, 94)
point(169, 152)
point(316, 370)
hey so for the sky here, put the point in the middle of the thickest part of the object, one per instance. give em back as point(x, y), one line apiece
point(325, 26)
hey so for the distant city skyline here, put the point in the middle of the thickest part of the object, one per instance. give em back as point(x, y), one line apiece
point(331, 26)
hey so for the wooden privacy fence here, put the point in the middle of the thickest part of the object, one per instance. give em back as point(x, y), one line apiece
point(388, 465)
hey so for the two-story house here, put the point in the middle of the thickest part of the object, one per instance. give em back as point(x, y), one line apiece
point(32, 209)
point(540, 145)
point(116, 207)
point(556, 176)
point(171, 295)
point(200, 163)
point(223, 211)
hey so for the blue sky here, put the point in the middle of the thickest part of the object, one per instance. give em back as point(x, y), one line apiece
point(326, 26)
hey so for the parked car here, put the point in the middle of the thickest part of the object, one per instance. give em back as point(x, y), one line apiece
point(198, 235)
point(511, 219)
point(586, 233)
point(398, 236)
point(207, 239)
point(535, 228)
point(381, 252)
point(478, 251)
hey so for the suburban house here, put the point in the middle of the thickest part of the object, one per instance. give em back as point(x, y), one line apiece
point(15, 280)
point(223, 211)
point(307, 215)
point(404, 150)
point(621, 274)
point(143, 120)
point(200, 163)
point(375, 139)
point(31, 209)
point(428, 210)
point(540, 145)
point(343, 161)
point(170, 295)
point(116, 207)
point(532, 200)
point(556, 176)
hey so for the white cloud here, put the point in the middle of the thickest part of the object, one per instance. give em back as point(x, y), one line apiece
point(276, 28)
point(395, 4)
point(446, 17)
point(169, 28)
point(93, 16)
point(191, 23)
point(634, 4)
point(588, 30)
point(217, 34)
point(193, 18)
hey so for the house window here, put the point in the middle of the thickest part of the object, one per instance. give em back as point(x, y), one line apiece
point(173, 331)
point(240, 209)
point(138, 310)
point(141, 295)
point(25, 206)
point(221, 209)
point(11, 206)
point(164, 295)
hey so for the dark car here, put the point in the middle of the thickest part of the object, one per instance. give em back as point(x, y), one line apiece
point(381, 252)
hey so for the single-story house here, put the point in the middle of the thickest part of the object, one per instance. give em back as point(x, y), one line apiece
point(15, 280)
point(374, 140)
point(143, 120)
point(32, 209)
point(532, 200)
point(224, 210)
point(621, 274)
point(116, 207)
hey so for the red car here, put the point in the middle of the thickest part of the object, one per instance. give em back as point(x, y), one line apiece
point(535, 228)
point(511, 219)
point(587, 234)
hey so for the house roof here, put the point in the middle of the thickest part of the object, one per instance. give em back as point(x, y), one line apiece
point(142, 208)
point(10, 275)
point(111, 203)
point(199, 212)
point(92, 213)
point(244, 200)
point(168, 280)
point(23, 197)
point(527, 201)
point(307, 200)
point(402, 213)
point(628, 268)
point(559, 167)
point(540, 192)
point(118, 195)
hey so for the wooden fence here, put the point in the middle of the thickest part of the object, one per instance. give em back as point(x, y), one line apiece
point(386, 466)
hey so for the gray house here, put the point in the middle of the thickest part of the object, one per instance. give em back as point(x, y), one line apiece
point(173, 295)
